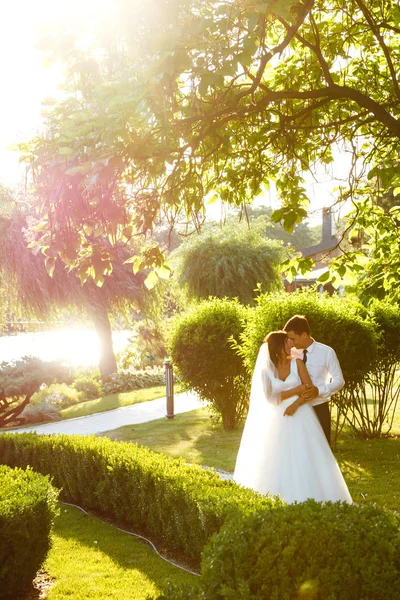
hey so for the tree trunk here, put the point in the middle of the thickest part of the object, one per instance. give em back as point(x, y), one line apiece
point(107, 362)
point(8, 417)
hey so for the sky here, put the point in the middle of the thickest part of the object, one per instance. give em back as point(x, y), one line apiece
point(27, 80)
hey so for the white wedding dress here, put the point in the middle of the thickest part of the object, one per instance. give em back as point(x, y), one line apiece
point(285, 455)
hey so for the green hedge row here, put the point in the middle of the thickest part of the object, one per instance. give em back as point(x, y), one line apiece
point(177, 505)
point(28, 506)
point(341, 323)
point(309, 550)
point(126, 381)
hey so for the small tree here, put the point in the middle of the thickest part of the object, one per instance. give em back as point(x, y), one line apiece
point(232, 264)
point(20, 380)
point(199, 343)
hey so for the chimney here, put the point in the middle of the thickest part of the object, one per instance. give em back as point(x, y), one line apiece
point(328, 226)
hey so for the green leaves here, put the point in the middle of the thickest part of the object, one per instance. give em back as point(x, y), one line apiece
point(229, 97)
point(154, 259)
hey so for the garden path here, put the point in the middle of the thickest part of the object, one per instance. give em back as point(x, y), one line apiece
point(112, 419)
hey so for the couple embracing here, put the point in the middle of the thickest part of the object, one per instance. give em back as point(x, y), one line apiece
point(285, 447)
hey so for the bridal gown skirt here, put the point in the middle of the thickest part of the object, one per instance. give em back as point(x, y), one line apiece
point(289, 456)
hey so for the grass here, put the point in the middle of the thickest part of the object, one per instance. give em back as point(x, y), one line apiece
point(91, 559)
point(192, 435)
point(370, 467)
point(112, 401)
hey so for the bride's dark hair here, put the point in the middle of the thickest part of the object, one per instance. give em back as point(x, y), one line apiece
point(276, 343)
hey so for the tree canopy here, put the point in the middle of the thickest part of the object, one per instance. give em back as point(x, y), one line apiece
point(41, 284)
point(237, 263)
point(184, 101)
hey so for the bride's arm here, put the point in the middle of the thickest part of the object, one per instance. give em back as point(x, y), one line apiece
point(296, 391)
point(307, 384)
point(280, 392)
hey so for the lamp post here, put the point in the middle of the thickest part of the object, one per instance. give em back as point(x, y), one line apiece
point(169, 384)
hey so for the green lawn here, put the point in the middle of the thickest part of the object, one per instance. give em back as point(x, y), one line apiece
point(114, 401)
point(91, 559)
point(370, 467)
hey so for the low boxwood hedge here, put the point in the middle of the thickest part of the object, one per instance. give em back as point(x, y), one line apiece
point(178, 505)
point(126, 381)
point(309, 551)
point(28, 506)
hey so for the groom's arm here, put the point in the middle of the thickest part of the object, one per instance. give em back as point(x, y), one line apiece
point(325, 390)
point(337, 381)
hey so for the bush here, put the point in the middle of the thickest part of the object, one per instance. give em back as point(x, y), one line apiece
point(341, 323)
point(338, 322)
point(19, 380)
point(126, 381)
point(179, 506)
point(200, 347)
point(231, 264)
point(57, 395)
point(146, 347)
point(309, 550)
point(39, 413)
point(375, 402)
point(28, 506)
point(88, 388)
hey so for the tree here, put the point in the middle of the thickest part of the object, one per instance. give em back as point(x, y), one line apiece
point(19, 381)
point(42, 284)
point(233, 264)
point(258, 219)
point(219, 97)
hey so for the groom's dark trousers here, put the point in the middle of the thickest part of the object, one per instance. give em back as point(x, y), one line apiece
point(324, 417)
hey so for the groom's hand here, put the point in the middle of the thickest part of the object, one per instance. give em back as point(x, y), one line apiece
point(310, 394)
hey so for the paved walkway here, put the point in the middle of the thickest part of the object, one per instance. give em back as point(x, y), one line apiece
point(112, 419)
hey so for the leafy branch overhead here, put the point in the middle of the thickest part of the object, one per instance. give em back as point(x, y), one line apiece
point(191, 98)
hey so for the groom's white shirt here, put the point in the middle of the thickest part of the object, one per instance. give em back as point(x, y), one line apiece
point(324, 369)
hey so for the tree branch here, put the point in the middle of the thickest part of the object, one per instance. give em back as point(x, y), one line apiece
point(291, 32)
point(381, 42)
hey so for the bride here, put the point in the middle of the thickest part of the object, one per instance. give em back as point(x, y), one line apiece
point(284, 449)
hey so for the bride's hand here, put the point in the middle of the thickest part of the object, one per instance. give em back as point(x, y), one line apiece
point(291, 409)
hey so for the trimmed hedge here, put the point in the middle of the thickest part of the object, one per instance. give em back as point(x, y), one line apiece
point(126, 381)
point(200, 347)
point(340, 323)
point(310, 550)
point(28, 506)
point(179, 506)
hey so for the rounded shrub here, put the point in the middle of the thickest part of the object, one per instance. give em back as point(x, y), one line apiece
point(374, 407)
point(28, 506)
point(232, 264)
point(338, 322)
point(88, 387)
point(386, 318)
point(58, 395)
point(127, 381)
point(311, 550)
point(201, 348)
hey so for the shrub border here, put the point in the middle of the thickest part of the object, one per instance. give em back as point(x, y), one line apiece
point(179, 506)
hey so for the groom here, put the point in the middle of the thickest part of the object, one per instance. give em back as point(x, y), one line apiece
point(323, 367)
